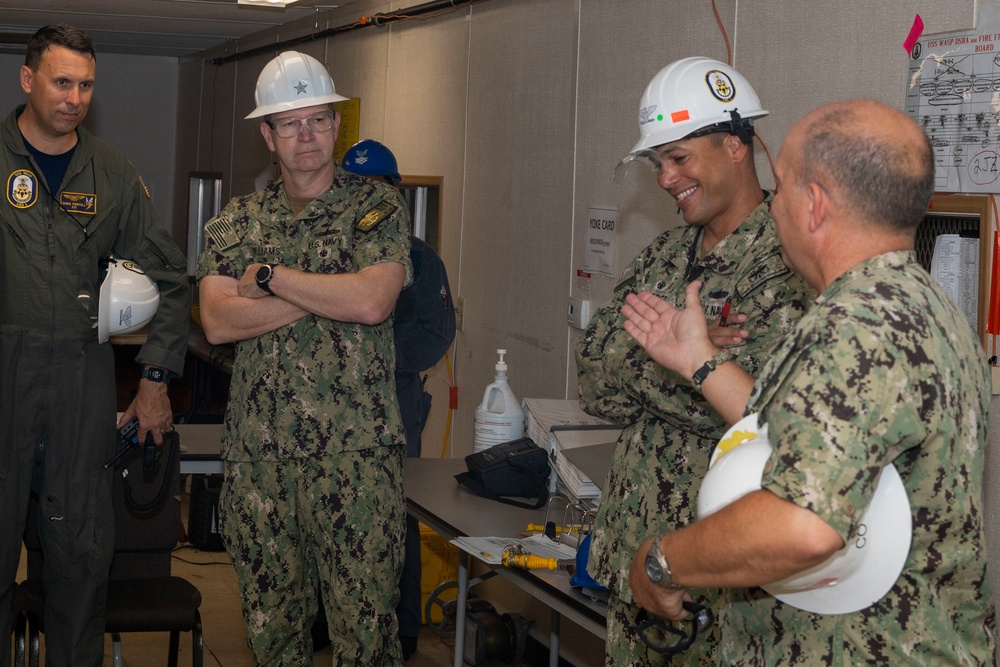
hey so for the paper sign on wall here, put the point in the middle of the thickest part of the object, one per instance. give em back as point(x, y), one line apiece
point(600, 253)
point(952, 92)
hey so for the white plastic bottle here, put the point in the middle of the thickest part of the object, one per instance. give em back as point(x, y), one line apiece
point(499, 417)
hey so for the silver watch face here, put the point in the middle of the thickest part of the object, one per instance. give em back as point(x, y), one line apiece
point(653, 569)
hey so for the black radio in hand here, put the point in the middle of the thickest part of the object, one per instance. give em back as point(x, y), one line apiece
point(128, 436)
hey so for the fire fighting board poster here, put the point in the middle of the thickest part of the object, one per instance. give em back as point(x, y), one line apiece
point(953, 91)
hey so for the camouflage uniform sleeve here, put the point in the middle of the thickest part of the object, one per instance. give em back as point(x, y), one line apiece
point(222, 255)
point(146, 241)
point(601, 393)
point(771, 296)
point(382, 233)
point(618, 379)
point(837, 403)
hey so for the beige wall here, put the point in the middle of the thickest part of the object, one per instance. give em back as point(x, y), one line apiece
point(524, 107)
point(135, 108)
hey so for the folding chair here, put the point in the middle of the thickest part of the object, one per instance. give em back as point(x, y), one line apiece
point(142, 594)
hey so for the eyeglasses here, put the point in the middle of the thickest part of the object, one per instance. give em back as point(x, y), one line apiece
point(668, 639)
point(286, 128)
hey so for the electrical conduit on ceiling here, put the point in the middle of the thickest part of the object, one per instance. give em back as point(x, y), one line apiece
point(363, 22)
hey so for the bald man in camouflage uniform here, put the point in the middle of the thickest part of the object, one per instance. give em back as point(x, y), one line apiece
point(303, 275)
point(884, 369)
point(669, 432)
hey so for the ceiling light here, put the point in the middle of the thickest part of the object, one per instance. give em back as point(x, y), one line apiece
point(266, 3)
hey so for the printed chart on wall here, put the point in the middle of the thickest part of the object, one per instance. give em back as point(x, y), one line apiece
point(953, 91)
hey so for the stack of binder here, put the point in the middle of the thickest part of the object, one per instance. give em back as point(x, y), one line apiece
point(580, 446)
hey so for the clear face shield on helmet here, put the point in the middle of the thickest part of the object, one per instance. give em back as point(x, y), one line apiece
point(648, 158)
point(651, 158)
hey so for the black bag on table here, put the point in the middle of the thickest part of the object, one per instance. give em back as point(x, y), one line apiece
point(516, 468)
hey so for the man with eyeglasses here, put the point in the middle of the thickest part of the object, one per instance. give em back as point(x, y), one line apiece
point(303, 276)
point(696, 133)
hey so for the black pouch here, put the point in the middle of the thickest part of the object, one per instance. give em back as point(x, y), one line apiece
point(516, 468)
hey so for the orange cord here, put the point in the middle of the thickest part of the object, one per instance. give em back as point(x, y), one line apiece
point(729, 61)
point(725, 36)
point(769, 161)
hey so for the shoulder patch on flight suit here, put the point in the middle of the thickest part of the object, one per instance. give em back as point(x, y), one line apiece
point(78, 202)
point(380, 212)
point(222, 233)
point(22, 188)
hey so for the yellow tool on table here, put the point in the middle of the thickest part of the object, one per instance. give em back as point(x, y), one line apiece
point(533, 527)
point(528, 561)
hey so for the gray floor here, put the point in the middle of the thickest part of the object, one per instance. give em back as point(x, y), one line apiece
point(222, 622)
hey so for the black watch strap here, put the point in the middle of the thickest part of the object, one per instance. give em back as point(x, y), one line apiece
point(709, 366)
point(263, 277)
point(154, 374)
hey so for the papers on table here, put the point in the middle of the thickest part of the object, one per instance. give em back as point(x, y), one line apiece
point(490, 549)
point(561, 426)
point(541, 414)
point(594, 461)
point(590, 446)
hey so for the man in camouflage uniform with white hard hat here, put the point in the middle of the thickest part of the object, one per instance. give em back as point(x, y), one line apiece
point(882, 374)
point(303, 276)
point(696, 133)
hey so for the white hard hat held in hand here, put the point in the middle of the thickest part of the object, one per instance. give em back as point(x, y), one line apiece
point(128, 300)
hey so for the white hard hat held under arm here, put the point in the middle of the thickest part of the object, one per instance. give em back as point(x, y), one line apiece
point(852, 579)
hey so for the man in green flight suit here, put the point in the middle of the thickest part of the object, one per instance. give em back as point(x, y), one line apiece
point(303, 275)
point(883, 371)
point(72, 202)
point(696, 132)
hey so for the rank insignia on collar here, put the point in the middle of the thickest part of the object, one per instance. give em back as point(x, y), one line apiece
point(22, 188)
point(222, 233)
point(78, 202)
point(377, 214)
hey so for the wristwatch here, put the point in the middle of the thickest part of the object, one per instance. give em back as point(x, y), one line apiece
point(658, 569)
point(717, 359)
point(154, 374)
point(263, 277)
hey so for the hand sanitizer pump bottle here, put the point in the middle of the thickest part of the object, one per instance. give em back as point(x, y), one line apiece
point(499, 417)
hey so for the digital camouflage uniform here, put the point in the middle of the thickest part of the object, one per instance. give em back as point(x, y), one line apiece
point(57, 392)
point(883, 369)
point(313, 442)
point(669, 428)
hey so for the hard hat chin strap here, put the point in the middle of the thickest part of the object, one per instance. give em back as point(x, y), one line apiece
point(741, 127)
